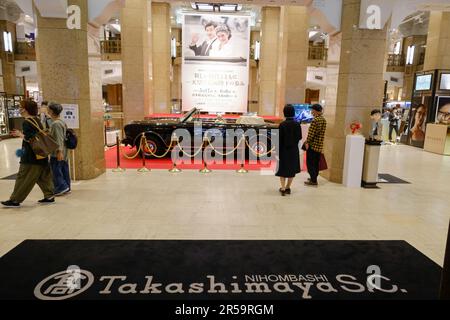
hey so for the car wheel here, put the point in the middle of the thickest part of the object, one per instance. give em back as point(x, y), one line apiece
point(258, 145)
point(152, 147)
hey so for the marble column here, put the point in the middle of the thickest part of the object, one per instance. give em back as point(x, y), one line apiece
point(67, 76)
point(437, 55)
point(268, 65)
point(360, 85)
point(293, 69)
point(161, 56)
point(8, 66)
point(136, 35)
point(284, 58)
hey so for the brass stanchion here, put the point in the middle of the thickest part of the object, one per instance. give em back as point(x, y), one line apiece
point(144, 168)
point(174, 141)
point(118, 169)
point(242, 169)
point(174, 169)
point(205, 168)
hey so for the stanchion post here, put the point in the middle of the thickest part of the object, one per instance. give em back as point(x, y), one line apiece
point(144, 168)
point(242, 169)
point(118, 169)
point(205, 168)
point(174, 168)
point(73, 166)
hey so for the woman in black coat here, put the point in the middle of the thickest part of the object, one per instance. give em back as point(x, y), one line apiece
point(290, 134)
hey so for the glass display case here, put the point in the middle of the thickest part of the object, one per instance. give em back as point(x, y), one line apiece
point(13, 105)
point(4, 125)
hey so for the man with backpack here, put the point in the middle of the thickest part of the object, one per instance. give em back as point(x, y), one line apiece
point(59, 159)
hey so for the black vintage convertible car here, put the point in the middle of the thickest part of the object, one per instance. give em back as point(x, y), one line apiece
point(159, 133)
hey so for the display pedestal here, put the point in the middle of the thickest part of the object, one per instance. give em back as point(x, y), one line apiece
point(437, 139)
point(370, 167)
point(353, 161)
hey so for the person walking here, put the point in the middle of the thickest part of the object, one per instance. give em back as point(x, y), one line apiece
point(43, 114)
point(290, 134)
point(314, 144)
point(393, 123)
point(31, 170)
point(59, 159)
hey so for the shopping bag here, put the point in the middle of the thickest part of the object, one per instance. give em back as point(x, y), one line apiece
point(42, 143)
point(322, 163)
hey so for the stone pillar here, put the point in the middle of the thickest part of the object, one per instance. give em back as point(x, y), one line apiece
point(437, 55)
point(161, 26)
point(8, 66)
point(66, 76)
point(136, 38)
point(284, 58)
point(268, 65)
point(334, 53)
point(294, 67)
point(360, 85)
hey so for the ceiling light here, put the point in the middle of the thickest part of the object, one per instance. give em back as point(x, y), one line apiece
point(215, 7)
point(7, 41)
point(410, 55)
point(205, 7)
point(116, 26)
point(313, 33)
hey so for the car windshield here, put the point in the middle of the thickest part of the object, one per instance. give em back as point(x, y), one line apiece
point(189, 115)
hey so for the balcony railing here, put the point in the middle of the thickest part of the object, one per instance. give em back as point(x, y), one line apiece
point(396, 60)
point(25, 51)
point(111, 46)
point(317, 53)
point(421, 58)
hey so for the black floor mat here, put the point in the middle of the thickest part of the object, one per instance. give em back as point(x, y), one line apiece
point(217, 269)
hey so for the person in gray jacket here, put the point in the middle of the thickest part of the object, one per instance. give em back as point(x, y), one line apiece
point(59, 158)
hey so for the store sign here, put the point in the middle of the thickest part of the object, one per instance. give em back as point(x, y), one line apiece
point(70, 116)
point(215, 69)
point(59, 286)
point(374, 14)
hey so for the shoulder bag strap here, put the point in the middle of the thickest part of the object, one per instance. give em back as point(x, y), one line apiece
point(34, 123)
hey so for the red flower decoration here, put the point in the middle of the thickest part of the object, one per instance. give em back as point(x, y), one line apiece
point(355, 127)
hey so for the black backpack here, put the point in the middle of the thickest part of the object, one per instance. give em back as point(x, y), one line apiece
point(71, 139)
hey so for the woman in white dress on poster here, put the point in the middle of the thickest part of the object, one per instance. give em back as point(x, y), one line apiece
point(224, 47)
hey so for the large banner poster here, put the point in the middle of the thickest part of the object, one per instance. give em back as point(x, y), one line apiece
point(215, 62)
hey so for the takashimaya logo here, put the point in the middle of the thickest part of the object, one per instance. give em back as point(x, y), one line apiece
point(74, 281)
point(65, 284)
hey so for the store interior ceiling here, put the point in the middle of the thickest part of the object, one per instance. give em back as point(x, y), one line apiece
point(414, 24)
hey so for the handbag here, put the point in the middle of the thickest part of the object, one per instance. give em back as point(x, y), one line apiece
point(322, 163)
point(42, 143)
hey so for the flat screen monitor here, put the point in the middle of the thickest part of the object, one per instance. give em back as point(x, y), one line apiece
point(423, 82)
point(303, 113)
point(445, 81)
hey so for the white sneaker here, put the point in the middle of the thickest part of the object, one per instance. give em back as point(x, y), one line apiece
point(62, 192)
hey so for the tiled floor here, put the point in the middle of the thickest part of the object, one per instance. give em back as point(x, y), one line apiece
point(225, 205)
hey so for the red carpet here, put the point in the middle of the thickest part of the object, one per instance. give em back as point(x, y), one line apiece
point(166, 163)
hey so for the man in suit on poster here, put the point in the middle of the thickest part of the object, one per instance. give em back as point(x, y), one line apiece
point(205, 47)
